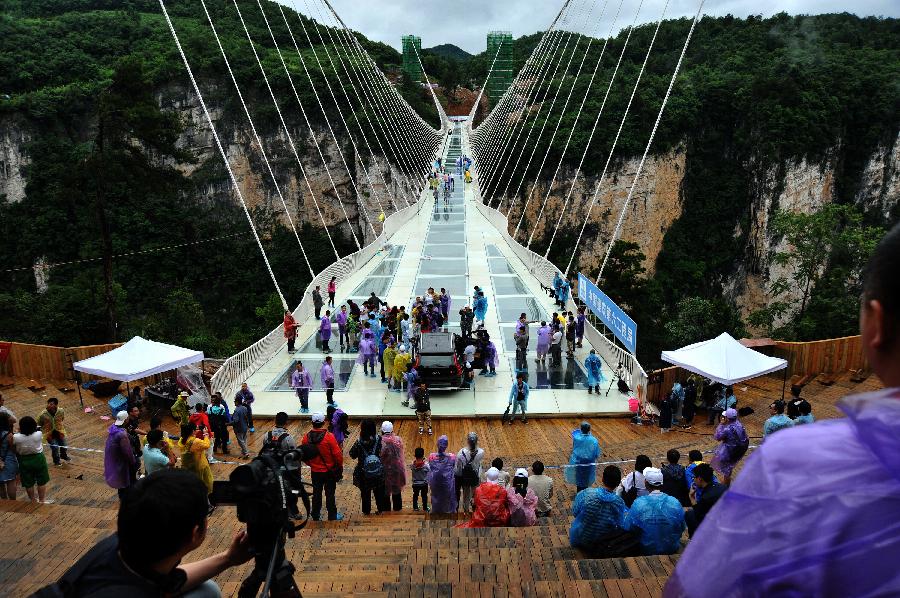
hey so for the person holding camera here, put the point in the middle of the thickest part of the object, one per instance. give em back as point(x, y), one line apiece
point(169, 504)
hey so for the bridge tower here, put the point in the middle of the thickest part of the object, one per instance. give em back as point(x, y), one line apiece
point(502, 75)
point(411, 66)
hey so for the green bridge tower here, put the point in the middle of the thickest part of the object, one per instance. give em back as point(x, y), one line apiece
point(502, 75)
point(412, 68)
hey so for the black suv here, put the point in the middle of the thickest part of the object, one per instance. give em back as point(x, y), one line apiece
point(436, 363)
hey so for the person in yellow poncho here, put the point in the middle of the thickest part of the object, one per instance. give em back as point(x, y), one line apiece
point(180, 410)
point(468, 177)
point(390, 353)
point(400, 362)
point(193, 446)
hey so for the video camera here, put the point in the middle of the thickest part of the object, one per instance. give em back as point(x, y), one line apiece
point(266, 492)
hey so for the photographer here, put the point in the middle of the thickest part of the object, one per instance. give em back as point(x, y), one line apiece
point(169, 504)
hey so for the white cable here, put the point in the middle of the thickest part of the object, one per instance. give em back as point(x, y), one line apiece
point(495, 182)
point(288, 134)
point(337, 145)
point(649, 142)
point(259, 142)
point(338, 106)
point(619, 132)
point(596, 122)
point(212, 128)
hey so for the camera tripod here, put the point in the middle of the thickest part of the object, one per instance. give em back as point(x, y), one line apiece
point(273, 570)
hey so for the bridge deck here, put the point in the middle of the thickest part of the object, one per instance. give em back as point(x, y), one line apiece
point(450, 245)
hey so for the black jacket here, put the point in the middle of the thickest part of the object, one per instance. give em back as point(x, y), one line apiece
point(711, 495)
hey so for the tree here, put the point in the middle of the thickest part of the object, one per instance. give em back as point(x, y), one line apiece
point(697, 319)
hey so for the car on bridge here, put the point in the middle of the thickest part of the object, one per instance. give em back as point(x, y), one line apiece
point(437, 363)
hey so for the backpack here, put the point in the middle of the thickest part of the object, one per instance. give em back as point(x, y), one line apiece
point(740, 450)
point(372, 468)
point(272, 444)
point(630, 495)
point(469, 476)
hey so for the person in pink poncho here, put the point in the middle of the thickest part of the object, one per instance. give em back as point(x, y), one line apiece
point(521, 501)
point(394, 465)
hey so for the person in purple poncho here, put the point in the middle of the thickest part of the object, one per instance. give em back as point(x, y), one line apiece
point(343, 335)
point(326, 374)
point(337, 424)
point(579, 327)
point(325, 331)
point(814, 510)
point(367, 351)
point(491, 360)
point(441, 478)
point(734, 443)
point(543, 344)
point(445, 303)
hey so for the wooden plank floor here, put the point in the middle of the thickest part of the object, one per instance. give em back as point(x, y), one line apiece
point(401, 554)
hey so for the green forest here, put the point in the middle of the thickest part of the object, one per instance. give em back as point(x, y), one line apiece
point(87, 78)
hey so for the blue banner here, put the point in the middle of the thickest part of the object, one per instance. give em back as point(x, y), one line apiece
point(611, 314)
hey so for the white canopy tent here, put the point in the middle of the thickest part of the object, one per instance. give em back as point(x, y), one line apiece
point(137, 359)
point(724, 360)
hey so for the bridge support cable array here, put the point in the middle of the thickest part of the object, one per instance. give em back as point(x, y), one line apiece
point(508, 122)
point(215, 134)
point(578, 118)
point(262, 149)
point(370, 84)
point(558, 122)
point(540, 135)
point(362, 103)
point(513, 123)
point(502, 172)
point(637, 174)
point(315, 140)
point(337, 145)
point(489, 126)
point(590, 138)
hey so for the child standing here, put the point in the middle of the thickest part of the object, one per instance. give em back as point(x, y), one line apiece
point(420, 471)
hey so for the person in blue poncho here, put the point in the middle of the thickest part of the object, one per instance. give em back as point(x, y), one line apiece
point(557, 282)
point(585, 452)
point(562, 295)
point(597, 511)
point(480, 308)
point(659, 517)
point(518, 398)
point(593, 366)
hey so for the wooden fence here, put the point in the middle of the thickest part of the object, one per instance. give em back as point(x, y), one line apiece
point(43, 362)
point(830, 356)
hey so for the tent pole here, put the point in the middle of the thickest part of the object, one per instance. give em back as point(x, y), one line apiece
point(784, 382)
point(78, 384)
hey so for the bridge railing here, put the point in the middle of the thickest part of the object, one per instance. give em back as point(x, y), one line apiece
point(544, 271)
point(240, 366)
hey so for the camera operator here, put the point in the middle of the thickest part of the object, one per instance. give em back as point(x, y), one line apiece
point(161, 519)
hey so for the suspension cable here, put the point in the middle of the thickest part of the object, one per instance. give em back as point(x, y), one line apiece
point(649, 142)
point(212, 128)
point(619, 132)
point(596, 122)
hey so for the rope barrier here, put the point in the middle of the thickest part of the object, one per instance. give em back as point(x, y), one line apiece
point(215, 134)
point(650, 141)
point(288, 134)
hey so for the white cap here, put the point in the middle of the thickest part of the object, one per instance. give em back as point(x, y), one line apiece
point(387, 427)
point(318, 417)
point(402, 348)
point(492, 475)
point(654, 476)
point(521, 473)
point(121, 416)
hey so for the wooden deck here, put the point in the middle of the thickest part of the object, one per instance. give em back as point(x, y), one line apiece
point(402, 554)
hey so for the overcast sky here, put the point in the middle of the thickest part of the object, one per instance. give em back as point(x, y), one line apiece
point(465, 23)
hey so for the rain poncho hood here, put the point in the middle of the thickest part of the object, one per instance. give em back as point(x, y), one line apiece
point(585, 452)
point(836, 484)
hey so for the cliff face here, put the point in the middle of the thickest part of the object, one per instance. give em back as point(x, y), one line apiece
point(799, 186)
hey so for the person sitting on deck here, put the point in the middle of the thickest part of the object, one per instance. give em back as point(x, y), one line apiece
point(521, 501)
point(582, 469)
point(543, 488)
point(598, 513)
point(491, 509)
point(712, 491)
point(778, 421)
point(806, 416)
point(814, 511)
point(659, 516)
point(674, 478)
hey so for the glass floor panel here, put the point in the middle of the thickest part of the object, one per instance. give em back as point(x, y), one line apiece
point(509, 285)
point(448, 227)
point(500, 266)
point(395, 252)
point(385, 268)
point(455, 285)
point(377, 284)
point(343, 369)
point(447, 267)
point(509, 343)
point(569, 375)
point(458, 251)
point(510, 308)
point(493, 251)
point(439, 236)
